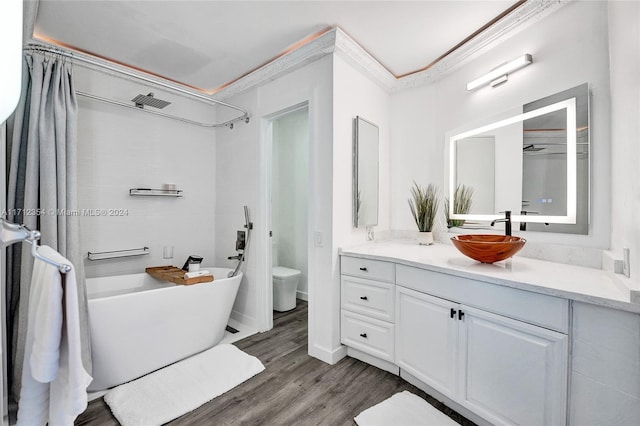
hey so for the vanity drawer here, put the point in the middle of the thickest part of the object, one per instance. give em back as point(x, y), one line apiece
point(534, 308)
point(367, 297)
point(368, 268)
point(368, 335)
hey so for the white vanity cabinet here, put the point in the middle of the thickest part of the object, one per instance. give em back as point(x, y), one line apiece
point(507, 371)
point(497, 352)
point(368, 311)
point(528, 342)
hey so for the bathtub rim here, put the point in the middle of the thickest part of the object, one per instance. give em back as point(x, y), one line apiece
point(167, 285)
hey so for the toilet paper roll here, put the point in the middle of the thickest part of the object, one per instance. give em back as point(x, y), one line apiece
point(196, 274)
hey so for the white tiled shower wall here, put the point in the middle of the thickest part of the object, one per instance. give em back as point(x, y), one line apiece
point(120, 149)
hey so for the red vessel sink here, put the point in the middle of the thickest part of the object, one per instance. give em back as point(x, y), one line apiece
point(488, 248)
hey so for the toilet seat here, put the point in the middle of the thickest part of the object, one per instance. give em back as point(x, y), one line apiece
point(284, 272)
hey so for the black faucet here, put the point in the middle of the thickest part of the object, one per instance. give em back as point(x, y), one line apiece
point(523, 225)
point(507, 222)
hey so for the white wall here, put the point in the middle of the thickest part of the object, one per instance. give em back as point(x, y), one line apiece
point(241, 179)
point(290, 198)
point(569, 47)
point(624, 45)
point(355, 94)
point(236, 184)
point(336, 92)
point(121, 149)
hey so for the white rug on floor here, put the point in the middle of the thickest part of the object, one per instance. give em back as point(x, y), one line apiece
point(163, 395)
point(403, 409)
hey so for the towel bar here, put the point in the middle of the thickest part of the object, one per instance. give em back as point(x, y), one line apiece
point(12, 232)
point(102, 255)
point(155, 192)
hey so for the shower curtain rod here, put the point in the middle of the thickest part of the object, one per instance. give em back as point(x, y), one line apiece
point(172, 117)
point(82, 58)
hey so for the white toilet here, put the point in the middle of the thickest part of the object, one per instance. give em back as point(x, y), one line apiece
point(285, 284)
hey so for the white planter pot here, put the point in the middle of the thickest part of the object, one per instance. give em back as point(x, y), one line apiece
point(425, 238)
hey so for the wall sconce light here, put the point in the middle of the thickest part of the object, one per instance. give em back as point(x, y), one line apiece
point(500, 74)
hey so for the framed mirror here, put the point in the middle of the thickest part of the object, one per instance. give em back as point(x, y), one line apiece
point(534, 163)
point(365, 173)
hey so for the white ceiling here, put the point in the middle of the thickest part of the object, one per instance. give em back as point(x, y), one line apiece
point(207, 44)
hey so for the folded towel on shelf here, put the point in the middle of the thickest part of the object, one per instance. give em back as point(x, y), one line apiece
point(194, 274)
point(54, 381)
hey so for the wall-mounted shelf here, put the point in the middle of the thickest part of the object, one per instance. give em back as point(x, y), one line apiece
point(155, 192)
point(102, 255)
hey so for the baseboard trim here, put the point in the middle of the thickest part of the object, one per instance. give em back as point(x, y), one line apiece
point(302, 295)
point(326, 355)
point(244, 319)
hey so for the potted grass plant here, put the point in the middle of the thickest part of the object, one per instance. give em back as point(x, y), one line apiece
point(462, 200)
point(423, 205)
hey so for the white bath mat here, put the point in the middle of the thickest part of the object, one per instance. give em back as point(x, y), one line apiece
point(403, 409)
point(163, 395)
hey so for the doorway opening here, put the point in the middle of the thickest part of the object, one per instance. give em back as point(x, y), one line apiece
point(289, 209)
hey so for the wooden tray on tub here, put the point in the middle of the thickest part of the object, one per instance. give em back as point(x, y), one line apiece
point(175, 275)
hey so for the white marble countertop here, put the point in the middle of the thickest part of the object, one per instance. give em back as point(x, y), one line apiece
point(555, 279)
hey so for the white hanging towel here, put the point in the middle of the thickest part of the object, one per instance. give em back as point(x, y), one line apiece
point(54, 381)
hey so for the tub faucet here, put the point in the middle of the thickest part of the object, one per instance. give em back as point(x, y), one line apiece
point(507, 222)
point(240, 259)
point(242, 242)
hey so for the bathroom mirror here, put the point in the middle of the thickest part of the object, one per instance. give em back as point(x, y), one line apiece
point(365, 173)
point(534, 163)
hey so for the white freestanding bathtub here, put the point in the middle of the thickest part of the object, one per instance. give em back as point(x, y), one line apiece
point(140, 324)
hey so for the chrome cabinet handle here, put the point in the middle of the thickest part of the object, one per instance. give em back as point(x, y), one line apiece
point(363, 335)
point(363, 269)
point(364, 298)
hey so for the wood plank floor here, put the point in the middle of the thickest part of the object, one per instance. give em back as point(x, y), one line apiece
point(294, 389)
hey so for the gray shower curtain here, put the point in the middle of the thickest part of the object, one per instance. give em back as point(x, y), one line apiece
point(42, 183)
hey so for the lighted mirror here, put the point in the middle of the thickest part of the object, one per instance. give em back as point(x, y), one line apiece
point(534, 163)
point(365, 173)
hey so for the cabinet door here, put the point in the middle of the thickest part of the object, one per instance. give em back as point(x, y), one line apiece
point(511, 372)
point(426, 338)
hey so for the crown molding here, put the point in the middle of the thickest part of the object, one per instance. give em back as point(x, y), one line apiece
point(529, 13)
point(303, 55)
point(336, 40)
point(350, 50)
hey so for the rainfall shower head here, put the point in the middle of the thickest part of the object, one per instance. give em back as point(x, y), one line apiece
point(142, 100)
